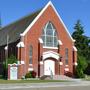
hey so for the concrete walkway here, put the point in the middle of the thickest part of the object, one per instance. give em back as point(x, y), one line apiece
point(49, 86)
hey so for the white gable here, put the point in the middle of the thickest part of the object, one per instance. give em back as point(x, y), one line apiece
point(52, 54)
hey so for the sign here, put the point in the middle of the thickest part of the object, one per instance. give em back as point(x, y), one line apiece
point(13, 73)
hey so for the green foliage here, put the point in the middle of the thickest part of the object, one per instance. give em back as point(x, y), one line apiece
point(82, 42)
point(83, 45)
point(12, 59)
point(82, 65)
point(28, 75)
point(31, 74)
point(87, 71)
point(1, 76)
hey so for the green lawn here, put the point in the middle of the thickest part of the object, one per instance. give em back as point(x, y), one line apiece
point(28, 81)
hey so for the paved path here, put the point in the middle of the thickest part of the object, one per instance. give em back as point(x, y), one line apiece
point(75, 85)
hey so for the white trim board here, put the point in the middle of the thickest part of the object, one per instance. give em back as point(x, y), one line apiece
point(38, 16)
point(50, 54)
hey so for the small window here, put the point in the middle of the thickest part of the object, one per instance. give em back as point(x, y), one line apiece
point(30, 54)
point(66, 56)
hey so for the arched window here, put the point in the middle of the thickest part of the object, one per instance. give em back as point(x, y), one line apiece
point(30, 54)
point(66, 56)
point(49, 35)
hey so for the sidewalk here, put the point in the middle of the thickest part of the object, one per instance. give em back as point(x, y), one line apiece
point(44, 85)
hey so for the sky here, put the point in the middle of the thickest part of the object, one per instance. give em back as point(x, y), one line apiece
point(69, 10)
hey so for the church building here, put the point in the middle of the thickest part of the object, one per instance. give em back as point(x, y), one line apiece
point(41, 42)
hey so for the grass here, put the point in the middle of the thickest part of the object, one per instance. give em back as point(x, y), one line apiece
point(28, 81)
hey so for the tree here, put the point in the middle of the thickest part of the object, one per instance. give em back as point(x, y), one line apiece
point(82, 65)
point(11, 60)
point(82, 43)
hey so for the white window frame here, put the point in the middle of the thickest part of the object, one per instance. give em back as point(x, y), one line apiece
point(52, 36)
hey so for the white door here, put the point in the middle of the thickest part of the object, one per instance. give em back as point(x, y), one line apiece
point(49, 67)
point(13, 73)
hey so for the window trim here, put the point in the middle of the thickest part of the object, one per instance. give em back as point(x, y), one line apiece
point(53, 36)
point(50, 47)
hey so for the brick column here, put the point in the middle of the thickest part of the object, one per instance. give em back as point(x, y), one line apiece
point(60, 51)
point(20, 46)
point(39, 57)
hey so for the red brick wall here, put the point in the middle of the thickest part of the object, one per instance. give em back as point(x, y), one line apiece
point(31, 38)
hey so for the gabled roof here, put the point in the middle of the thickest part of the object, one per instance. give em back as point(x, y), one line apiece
point(15, 29)
point(24, 25)
point(38, 16)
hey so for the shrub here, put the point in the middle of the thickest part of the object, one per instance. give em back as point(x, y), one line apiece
point(31, 74)
point(27, 75)
point(82, 65)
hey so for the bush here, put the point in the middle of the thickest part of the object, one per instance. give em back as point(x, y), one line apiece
point(80, 73)
point(28, 75)
point(31, 74)
point(82, 65)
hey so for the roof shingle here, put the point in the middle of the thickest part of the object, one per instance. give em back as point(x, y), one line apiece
point(15, 29)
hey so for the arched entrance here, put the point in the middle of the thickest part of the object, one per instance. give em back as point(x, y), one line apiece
point(50, 59)
point(49, 67)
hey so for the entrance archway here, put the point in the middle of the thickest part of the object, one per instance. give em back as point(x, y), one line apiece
point(49, 67)
point(50, 58)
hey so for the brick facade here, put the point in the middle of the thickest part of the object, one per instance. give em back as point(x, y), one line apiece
point(32, 38)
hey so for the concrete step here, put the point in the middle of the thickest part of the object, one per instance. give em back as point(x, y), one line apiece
point(58, 77)
point(45, 77)
point(61, 77)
